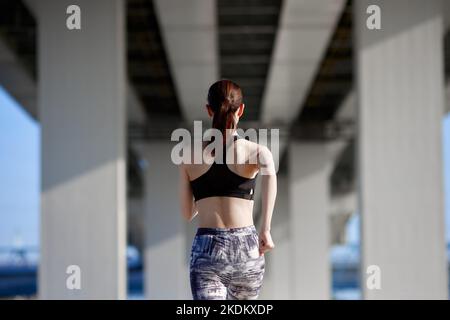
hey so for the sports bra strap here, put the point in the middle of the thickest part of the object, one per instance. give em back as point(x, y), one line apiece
point(220, 181)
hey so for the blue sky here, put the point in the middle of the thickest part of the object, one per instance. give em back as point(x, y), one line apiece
point(19, 174)
point(20, 179)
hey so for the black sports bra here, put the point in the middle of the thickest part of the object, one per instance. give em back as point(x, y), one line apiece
point(220, 181)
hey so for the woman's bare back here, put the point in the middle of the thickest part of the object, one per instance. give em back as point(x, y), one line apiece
point(227, 212)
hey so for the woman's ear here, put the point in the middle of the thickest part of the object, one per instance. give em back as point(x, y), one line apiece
point(240, 111)
point(210, 112)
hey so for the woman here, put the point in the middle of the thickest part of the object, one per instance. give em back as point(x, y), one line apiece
point(227, 257)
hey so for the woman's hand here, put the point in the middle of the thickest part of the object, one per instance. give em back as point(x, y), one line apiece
point(265, 242)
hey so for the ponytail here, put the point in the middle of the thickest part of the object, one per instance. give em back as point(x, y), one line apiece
point(224, 98)
point(224, 119)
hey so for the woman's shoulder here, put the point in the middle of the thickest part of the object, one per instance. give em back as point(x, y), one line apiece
point(196, 159)
point(254, 146)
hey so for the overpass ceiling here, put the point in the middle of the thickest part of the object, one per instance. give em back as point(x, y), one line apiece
point(333, 82)
point(302, 38)
point(334, 79)
point(18, 30)
point(247, 32)
point(189, 32)
point(148, 68)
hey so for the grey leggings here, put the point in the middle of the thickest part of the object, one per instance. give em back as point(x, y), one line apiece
point(225, 264)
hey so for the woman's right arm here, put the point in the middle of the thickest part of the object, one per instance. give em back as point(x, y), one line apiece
point(268, 196)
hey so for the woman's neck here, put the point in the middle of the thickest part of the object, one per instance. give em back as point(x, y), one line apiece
point(229, 135)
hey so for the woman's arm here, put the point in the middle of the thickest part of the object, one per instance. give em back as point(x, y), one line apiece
point(268, 196)
point(187, 204)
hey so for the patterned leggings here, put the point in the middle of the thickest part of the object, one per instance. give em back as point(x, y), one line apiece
point(225, 264)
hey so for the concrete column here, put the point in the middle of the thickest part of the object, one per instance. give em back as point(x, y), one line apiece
point(277, 277)
point(81, 100)
point(310, 168)
point(135, 222)
point(279, 261)
point(166, 252)
point(400, 87)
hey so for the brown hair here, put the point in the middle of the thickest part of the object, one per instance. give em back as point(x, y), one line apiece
point(224, 98)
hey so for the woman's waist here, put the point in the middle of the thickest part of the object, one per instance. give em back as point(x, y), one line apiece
point(226, 244)
point(237, 231)
point(224, 203)
point(225, 220)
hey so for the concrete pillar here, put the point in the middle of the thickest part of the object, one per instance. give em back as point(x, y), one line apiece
point(400, 87)
point(166, 252)
point(310, 168)
point(135, 222)
point(280, 258)
point(277, 282)
point(81, 98)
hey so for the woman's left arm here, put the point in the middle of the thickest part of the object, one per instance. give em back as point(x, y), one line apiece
point(187, 204)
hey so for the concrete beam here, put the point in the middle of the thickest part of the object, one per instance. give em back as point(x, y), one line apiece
point(303, 35)
point(17, 81)
point(189, 34)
